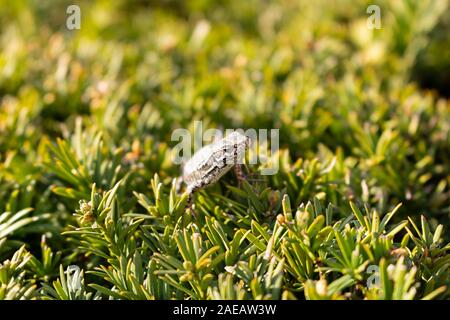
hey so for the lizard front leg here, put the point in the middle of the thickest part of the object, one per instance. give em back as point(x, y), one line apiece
point(190, 201)
point(194, 187)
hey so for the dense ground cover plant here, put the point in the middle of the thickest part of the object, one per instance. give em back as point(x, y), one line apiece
point(88, 203)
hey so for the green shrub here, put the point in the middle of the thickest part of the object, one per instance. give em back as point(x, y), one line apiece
point(89, 208)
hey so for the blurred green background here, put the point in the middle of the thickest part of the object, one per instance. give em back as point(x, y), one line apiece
point(363, 113)
point(136, 69)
